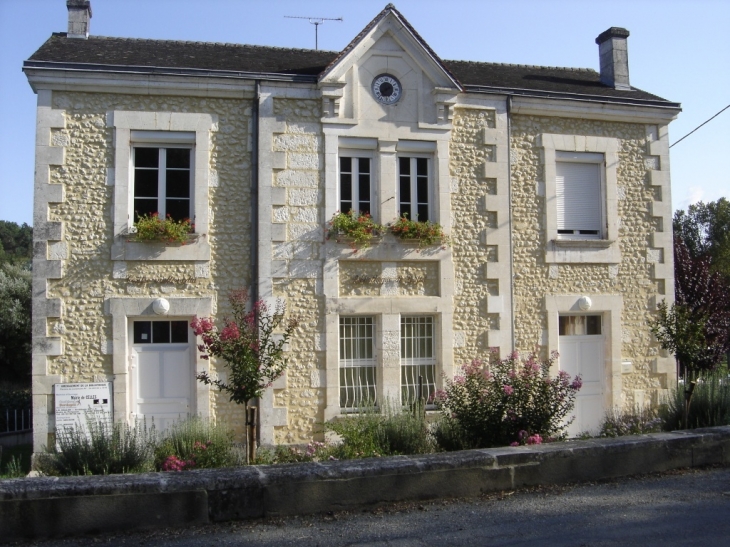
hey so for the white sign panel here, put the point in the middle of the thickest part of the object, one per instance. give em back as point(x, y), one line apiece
point(77, 403)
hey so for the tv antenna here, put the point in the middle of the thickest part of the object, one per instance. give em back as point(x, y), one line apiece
point(316, 21)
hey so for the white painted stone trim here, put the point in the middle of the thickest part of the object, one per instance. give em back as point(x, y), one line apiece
point(47, 264)
point(122, 310)
point(606, 250)
point(123, 123)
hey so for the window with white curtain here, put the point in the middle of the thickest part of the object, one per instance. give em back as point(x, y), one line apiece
point(579, 195)
point(418, 357)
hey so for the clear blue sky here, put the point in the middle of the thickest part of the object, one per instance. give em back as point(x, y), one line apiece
point(678, 50)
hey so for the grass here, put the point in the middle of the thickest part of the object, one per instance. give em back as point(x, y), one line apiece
point(710, 405)
point(15, 461)
point(636, 421)
point(198, 443)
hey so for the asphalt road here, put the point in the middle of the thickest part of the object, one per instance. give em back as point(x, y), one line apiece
point(687, 507)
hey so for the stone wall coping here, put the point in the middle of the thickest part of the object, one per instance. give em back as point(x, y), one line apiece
point(268, 475)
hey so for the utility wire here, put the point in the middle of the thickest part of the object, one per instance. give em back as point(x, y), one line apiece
point(703, 123)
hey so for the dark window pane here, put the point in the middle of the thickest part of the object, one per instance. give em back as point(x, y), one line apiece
point(142, 332)
point(364, 165)
point(345, 165)
point(422, 189)
point(160, 332)
point(422, 167)
point(405, 166)
point(178, 184)
point(144, 207)
point(179, 330)
point(177, 209)
point(562, 325)
point(146, 157)
point(178, 157)
point(364, 188)
point(145, 183)
point(422, 212)
point(593, 324)
point(345, 206)
point(364, 207)
point(346, 187)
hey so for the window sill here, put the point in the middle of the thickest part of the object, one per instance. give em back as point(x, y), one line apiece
point(592, 243)
point(196, 249)
point(585, 251)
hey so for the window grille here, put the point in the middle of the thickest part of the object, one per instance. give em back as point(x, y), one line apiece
point(357, 362)
point(417, 358)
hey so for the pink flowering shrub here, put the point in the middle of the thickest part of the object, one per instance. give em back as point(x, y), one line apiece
point(505, 402)
point(249, 344)
point(173, 463)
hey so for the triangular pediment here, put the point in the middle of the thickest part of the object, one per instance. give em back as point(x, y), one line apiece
point(390, 32)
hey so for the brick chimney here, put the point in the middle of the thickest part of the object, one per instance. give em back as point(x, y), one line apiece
point(79, 15)
point(614, 56)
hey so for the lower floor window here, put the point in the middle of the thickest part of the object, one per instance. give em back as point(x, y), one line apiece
point(357, 362)
point(418, 361)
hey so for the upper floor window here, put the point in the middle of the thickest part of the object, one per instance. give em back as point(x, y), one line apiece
point(414, 192)
point(162, 182)
point(579, 195)
point(355, 184)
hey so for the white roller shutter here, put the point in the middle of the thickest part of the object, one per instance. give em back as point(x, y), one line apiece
point(578, 194)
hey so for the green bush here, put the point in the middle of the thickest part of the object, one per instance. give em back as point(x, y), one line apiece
point(196, 443)
point(636, 421)
point(710, 405)
point(373, 432)
point(108, 448)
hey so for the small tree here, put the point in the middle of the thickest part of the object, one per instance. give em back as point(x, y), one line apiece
point(251, 348)
point(696, 328)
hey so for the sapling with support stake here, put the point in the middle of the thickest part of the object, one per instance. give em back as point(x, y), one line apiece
point(251, 343)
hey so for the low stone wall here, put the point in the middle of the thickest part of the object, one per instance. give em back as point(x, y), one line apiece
point(55, 507)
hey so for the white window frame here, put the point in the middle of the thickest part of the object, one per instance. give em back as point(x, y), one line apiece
point(186, 141)
point(355, 186)
point(162, 128)
point(604, 250)
point(413, 157)
point(600, 197)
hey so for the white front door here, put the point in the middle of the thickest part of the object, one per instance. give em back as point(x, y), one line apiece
point(164, 381)
point(581, 351)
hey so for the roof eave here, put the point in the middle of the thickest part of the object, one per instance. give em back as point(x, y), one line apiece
point(169, 71)
point(562, 95)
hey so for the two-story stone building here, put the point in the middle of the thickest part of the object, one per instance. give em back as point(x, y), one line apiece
point(552, 183)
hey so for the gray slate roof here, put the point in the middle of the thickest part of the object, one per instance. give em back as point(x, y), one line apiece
point(168, 56)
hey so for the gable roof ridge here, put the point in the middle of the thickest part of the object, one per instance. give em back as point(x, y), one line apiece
point(519, 65)
point(201, 43)
point(390, 8)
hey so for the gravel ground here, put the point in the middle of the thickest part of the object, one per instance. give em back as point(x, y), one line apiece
point(684, 507)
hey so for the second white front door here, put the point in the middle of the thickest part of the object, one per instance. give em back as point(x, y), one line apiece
point(581, 348)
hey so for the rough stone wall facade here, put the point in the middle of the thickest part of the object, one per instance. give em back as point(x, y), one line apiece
point(86, 214)
point(298, 260)
point(471, 253)
point(632, 278)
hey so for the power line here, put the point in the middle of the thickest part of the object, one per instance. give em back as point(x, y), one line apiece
point(703, 123)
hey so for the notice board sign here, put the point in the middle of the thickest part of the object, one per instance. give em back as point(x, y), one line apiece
point(78, 403)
